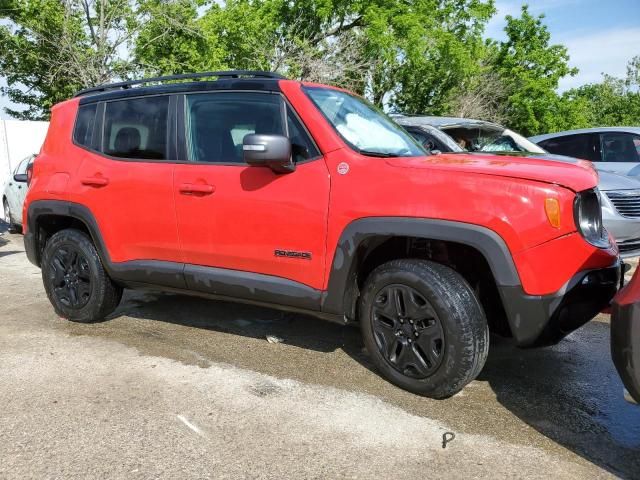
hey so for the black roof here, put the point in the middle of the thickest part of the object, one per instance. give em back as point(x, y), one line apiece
point(224, 80)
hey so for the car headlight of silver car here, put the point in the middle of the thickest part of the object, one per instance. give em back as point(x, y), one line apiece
point(587, 212)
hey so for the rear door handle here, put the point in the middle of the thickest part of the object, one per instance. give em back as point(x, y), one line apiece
point(196, 189)
point(95, 181)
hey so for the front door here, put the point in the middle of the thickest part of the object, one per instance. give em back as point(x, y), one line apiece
point(249, 223)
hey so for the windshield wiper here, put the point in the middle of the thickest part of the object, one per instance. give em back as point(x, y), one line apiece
point(370, 153)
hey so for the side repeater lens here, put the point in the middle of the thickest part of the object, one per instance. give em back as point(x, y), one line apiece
point(552, 209)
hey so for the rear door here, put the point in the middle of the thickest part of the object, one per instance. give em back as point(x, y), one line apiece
point(126, 176)
point(249, 219)
point(620, 152)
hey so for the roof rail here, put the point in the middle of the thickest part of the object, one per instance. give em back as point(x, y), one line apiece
point(184, 76)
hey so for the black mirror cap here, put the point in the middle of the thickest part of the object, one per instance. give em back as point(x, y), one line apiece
point(20, 177)
point(273, 151)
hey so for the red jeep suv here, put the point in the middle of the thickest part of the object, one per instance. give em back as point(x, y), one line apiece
point(249, 186)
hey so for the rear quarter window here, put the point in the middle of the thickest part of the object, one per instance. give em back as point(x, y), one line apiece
point(83, 130)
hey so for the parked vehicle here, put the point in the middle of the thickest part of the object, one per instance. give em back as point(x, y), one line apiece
point(614, 149)
point(625, 336)
point(621, 200)
point(469, 135)
point(13, 194)
point(306, 198)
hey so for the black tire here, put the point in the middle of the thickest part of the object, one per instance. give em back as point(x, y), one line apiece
point(12, 228)
point(423, 326)
point(75, 280)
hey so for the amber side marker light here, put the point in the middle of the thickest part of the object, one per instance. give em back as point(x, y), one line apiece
point(552, 209)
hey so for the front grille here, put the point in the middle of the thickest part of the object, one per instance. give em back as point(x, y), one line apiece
point(627, 202)
point(630, 245)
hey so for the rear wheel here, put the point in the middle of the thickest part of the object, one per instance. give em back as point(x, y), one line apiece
point(75, 280)
point(423, 327)
point(13, 228)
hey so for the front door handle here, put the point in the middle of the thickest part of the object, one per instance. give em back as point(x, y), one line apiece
point(95, 181)
point(196, 189)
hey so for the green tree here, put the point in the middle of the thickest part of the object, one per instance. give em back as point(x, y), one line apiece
point(52, 48)
point(612, 102)
point(531, 68)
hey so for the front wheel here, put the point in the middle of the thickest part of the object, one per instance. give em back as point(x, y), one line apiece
point(75, 280)
point(423, 327)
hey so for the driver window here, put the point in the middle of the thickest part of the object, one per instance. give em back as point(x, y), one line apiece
point(619, 147)
point(218, 122)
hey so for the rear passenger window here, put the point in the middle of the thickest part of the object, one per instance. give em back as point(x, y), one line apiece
point(83, 130)
point(136, 128)
point(578, 146)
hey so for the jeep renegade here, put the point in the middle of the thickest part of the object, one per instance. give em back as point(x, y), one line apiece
point(249, 186)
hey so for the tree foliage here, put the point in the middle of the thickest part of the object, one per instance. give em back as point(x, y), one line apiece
point(411, 56)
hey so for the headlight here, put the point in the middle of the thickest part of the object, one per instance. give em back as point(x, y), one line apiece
point(587, 212)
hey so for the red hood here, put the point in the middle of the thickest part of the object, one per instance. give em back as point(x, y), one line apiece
point(576, 176)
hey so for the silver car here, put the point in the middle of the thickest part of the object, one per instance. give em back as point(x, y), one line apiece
point(614, 149)
point(620, 194)
point(13, 194)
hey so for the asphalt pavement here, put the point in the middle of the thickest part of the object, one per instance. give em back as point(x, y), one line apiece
point(180, 387)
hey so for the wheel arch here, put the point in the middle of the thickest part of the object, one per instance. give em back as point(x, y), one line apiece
point(46, 217)
point(368, 242)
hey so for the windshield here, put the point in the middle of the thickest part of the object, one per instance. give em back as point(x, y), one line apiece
point(362, 126)
point(491, 138)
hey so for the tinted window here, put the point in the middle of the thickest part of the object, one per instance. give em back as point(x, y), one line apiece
point(218, 122)
point(136, 128)
point(302, 146)
point(619, 147)
point(577, 146)
point(83, 130)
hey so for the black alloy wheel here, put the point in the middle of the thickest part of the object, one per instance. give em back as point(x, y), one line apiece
point(407, 331)
point(71, 277)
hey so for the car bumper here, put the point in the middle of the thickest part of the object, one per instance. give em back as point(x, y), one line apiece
point(625, 337)
point(539, 320)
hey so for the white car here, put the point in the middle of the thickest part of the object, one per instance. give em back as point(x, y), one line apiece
point(13, 194)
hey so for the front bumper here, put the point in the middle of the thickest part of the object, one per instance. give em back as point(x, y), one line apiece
point(625, 336)
point(539, 320)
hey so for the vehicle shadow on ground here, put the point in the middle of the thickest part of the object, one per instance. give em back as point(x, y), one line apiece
point(242, 319)
point(570, 393)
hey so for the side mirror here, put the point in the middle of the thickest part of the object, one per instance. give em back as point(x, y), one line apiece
point(20, 177)
point(273, 151)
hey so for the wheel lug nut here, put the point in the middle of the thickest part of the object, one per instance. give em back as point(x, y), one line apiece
point(411, 322)
point(410, 340)
point(416, 333)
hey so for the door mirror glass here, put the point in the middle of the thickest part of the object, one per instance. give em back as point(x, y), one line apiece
point(273, 151)
point(20, 177)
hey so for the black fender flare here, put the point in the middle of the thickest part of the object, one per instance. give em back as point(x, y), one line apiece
point(486, 241)
point(62, 208)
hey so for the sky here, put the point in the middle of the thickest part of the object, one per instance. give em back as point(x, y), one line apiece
point(601, 35)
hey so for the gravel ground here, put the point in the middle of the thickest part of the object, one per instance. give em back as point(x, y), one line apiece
point(180, 387)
